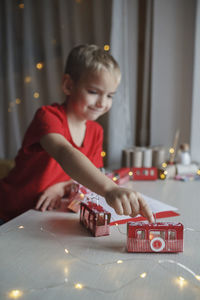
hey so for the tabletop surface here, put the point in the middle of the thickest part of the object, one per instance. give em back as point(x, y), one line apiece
point(52, 256)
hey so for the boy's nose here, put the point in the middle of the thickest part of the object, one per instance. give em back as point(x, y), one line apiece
point(101, 101)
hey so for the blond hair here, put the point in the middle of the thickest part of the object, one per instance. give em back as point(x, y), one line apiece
point(84, 59)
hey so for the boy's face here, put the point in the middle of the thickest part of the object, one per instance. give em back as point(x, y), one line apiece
point(91, 97)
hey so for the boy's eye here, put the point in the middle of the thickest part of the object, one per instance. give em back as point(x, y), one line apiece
point(92, 92)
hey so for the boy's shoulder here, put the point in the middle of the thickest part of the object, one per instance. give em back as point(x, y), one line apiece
point(51, 110)
point(54, 107)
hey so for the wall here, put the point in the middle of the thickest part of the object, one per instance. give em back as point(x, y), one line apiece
point(172, 70)
point(195, 128)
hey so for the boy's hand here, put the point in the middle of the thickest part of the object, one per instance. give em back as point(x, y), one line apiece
point(51, 197)
point(127, 202)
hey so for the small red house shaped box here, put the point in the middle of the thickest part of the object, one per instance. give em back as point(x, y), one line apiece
point(156, 237)
point(145, 173)
point(95, 218)
point(120, 176)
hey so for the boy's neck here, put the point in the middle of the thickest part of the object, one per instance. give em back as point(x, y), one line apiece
point(77, 127)
point(72, 117)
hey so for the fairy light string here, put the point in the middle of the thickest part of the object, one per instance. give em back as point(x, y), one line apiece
point(181, 281)
point(80, 285)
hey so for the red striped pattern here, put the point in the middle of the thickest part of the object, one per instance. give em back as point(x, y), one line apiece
point(134, 245)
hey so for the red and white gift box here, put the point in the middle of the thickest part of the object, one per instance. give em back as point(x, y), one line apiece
point(95, 218)
point(155, 237)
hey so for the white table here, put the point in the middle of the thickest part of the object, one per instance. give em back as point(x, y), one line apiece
point(33, 258)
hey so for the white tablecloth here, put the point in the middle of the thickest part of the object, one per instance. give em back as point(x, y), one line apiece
point(45, 255)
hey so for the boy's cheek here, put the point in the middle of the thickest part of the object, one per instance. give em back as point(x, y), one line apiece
point(109, 107)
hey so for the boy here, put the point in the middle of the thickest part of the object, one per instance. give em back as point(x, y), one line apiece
point(64, 141)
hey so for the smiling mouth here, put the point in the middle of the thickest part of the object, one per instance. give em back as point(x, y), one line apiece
point(96, 110)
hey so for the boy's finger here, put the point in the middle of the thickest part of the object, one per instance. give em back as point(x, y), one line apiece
point(127, 210)
point(74, 188)
point(40, 201)
point(135, 206)
point(45, 204)
point(145, 210)
point(71, 188)
point(118, 207)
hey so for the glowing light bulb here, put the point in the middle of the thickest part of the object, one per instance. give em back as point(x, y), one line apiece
point(120, 261)
point(36, 95)
point(114, 179)
point(27, 79)
point(143, 275)
point(53, 41)
point(18, 101)
point(165, 172)
point(20, 227)
point(103, 154)
point(78, 286)
point(106, 47)
point(66, 251)
point(181, 281)
point(151, 236)
point(21, 5)
point(39, 65)
point(171, 150)
point(164, 165)
point(14, 294)
point(198, 172)
point(130, 173)
point(66, 270)
point(162, 176)
point(116, 224)
point(197, 277)
point(82, 195)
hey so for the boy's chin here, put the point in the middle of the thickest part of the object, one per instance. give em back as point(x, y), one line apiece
point(93, 117)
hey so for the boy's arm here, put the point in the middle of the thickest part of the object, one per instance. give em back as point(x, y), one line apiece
point(79, 167)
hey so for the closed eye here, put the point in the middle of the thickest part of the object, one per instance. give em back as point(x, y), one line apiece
point(92, 92)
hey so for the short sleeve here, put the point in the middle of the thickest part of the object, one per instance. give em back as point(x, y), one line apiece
point(47, 119)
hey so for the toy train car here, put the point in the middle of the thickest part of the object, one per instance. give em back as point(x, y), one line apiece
point(145, 173)
point(124, 175)
point(156, 237)
point(120, 176)
point(95, 218)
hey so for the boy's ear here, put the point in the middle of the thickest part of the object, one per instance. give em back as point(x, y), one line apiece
point(67, 84)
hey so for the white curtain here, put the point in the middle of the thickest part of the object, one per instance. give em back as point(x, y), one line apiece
point(154, 38)
point(43, 31)
point(122, 116)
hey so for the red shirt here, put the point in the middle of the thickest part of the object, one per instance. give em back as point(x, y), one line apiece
point(35, 169)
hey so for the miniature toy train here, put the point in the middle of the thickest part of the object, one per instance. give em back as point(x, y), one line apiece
point(123, 175)
point(156, 237)
point(95, 218)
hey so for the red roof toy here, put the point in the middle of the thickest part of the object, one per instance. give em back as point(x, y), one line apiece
point(95, 218)
point(156, 237)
